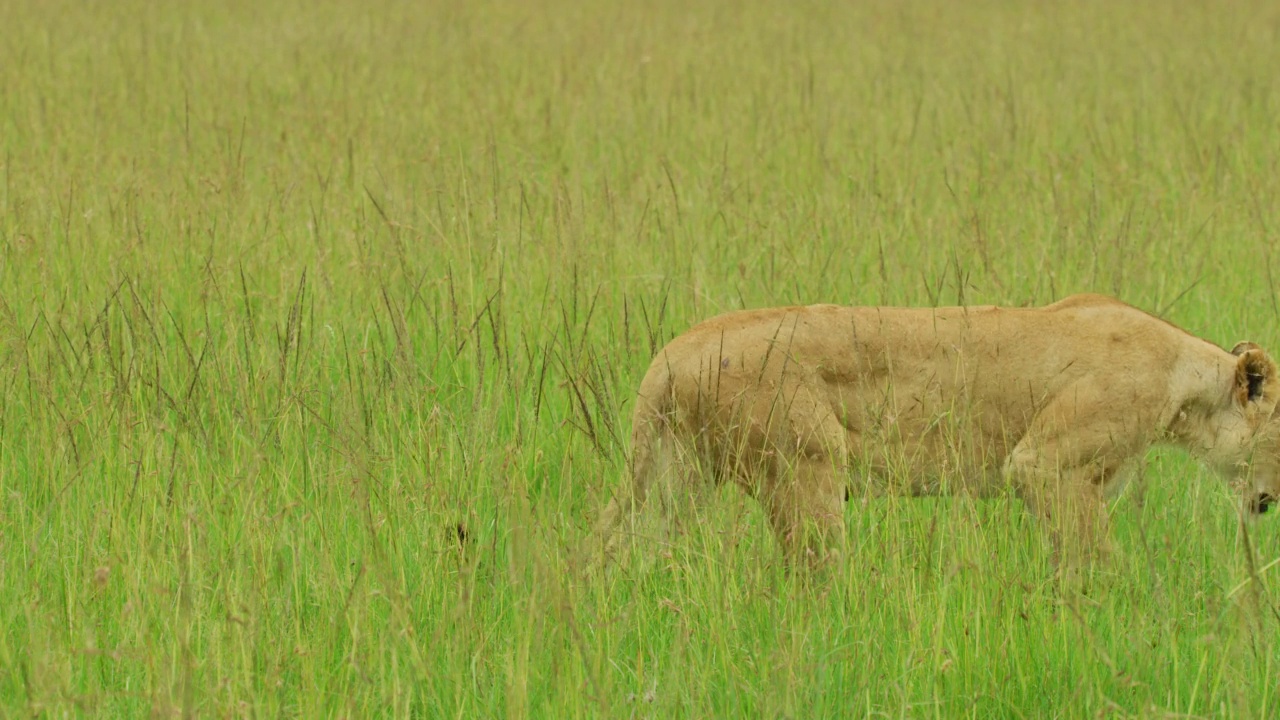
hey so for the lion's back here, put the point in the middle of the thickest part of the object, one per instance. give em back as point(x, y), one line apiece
point(929, 356)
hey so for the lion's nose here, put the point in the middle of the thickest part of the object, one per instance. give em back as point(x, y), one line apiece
point(1262, 503)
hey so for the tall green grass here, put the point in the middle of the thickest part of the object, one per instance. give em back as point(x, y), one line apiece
point(320, 324)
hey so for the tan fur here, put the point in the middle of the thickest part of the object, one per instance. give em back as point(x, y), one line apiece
point(802, 406)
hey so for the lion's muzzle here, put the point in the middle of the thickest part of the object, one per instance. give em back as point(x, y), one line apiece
point(1261, 503)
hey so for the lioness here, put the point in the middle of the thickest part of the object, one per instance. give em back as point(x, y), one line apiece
point(803, 406)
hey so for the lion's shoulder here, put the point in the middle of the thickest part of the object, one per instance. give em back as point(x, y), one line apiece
point(1088, 300)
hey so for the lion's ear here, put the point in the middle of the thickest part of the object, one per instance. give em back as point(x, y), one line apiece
point(1242, 346)
point(1256, 382)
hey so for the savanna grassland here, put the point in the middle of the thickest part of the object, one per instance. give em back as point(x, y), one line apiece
point(320, 324)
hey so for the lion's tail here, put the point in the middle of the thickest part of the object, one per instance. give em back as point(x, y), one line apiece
point(652, 446)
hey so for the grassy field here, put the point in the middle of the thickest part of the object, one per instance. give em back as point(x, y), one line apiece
point(294, 294)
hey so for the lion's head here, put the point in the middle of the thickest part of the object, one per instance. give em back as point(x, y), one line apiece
point(1255, 396)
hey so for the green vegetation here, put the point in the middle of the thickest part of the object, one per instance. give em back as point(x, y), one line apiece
point(291, 292)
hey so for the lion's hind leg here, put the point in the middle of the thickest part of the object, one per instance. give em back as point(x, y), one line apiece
point(651, 453)
point(805, 505)
point(804, 486)
point(665, 476)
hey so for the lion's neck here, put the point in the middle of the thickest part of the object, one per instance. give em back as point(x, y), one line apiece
point(1207, 423)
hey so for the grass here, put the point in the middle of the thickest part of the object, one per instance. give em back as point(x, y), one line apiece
point(292, 295)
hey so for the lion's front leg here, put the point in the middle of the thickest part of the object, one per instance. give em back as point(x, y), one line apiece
point(1068, 500)
point(1069, 456)
point(1075, 517)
